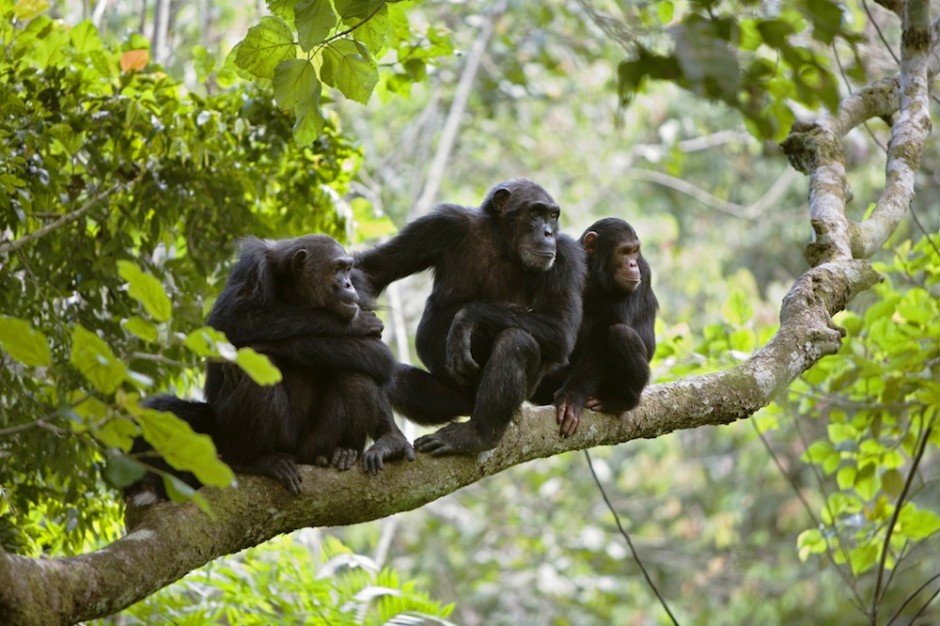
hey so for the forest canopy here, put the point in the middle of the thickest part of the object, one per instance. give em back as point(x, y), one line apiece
point(775, 159)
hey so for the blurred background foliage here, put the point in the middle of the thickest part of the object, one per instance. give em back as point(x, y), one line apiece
point(133, 133)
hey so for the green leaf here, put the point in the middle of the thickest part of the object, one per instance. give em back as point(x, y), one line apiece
point(207, 342)
point(918, 306)
point(117, 432)
point(308, 126)
point(265, 46)
point(867, 481)
point(348, 66)
point(24, 343)
point(361, 9)
point(178, 491)
point(810, 542)
point(183, 448)
point(258, 367)
point(892, 482)
point(665, 10)
point(818, 452)
point(121, 471)
point(918, 523)
point(139, 327)
point(374, 32)
point(846, 477)
point(146, 289)
point(863, 557)
point(28, 9)
point(295, 83)
point(314, 20)
point(94, 360)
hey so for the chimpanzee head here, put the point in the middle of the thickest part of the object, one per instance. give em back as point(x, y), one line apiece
point(528, 220)
point(614, 256)
point(319, 270)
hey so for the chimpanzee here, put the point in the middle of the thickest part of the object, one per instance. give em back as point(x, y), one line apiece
point(504, 308)
point(295, 301)
point(610, 363)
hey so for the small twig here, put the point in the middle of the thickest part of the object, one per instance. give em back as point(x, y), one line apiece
point(12, 246)
point(636, 557)
point(874, 23)
point(682, 186)
point(926, 604)
point(921, 448)
point(857, 600)
point(910, 598)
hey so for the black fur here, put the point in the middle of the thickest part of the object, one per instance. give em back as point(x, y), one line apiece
point(505, 308)
point(295, 301)
point(610, 363)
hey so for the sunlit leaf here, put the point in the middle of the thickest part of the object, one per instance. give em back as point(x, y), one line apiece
point(146, 289)
point(94, 360)
point(134, 60)
point(24, 343)
point(314, 19)
point(258, 367)
point(265, 46)
point(348, 66)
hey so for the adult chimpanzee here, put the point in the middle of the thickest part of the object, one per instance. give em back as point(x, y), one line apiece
point(504, 308)
point(294, 300)
point(610, 363)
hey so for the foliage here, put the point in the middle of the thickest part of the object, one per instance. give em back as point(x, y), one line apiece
point(282, 582)
point(339, 44)
point(734, 52)
point(879, 400)
point(120, 196)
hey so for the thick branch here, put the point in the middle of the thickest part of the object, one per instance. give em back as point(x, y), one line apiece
point(169, 540)
point(908, 135)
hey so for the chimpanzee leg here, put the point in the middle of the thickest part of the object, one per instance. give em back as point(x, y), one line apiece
point(336, 427)
point(506, 380)
point(389, 441)
point(629, 370)
point(427, 399)
point(257, 428)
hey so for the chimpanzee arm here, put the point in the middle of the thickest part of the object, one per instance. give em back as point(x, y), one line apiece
point(248, 323)
point(641, 310)
point(369, 356)
point(416, 247)
point(553, 320)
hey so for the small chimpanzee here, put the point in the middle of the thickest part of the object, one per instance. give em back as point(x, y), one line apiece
point(295, 301)
point(610, 363)
point(505, 308)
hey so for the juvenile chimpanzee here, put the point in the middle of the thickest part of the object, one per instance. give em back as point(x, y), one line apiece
point(294, 300)
point(504, 308)
point(610, 363)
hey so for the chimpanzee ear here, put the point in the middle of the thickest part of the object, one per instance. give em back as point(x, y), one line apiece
point(500, 198)
point(297, 261)
point(589, 241)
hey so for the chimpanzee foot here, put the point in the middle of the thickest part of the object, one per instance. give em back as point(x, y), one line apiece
point(386, 448)
point(344, 458)
point(458, 438)
point(594, 404)
point(280, 467)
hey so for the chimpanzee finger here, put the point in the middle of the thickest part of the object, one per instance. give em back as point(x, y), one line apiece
point(321, 461)
point(409, 452)
point(560, 410)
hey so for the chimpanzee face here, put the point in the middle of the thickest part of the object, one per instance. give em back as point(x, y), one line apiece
point(529, 219)
point(615, 256)
point(536, 229)
point(323, 270)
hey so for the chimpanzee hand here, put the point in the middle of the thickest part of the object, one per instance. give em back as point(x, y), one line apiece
point(389, 446)
point(366, 324)
point(458, 358)
point(568, 411)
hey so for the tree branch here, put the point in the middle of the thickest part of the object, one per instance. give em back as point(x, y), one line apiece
point(170, 539)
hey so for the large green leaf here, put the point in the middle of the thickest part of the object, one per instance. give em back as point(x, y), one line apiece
point(24, 343)
point(266, 45)
point(94, 360)
point(296, 84)
point(146, 289)
point(314, 20)
point(258, 367)
point(360, 9)
point(348, 66)
point(183, 448)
